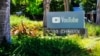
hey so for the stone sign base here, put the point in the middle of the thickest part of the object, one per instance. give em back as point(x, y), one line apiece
point(61, 32)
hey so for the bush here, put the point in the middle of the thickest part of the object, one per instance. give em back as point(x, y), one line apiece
point(93, 29)
point(28, 46)
point(22, 25)
point(88, 5)
point(96, 49)
point(27, 6)
point(17, 20)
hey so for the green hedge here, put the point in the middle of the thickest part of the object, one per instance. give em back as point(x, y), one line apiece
point(28, 46)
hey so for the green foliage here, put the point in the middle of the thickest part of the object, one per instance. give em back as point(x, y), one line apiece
point(57, 5)
point(96, 49)
point(28, 46)
point(29, 6)
point(34, 6)
point(23, 45)
point(16, 20)
point(22, 25)
point(88, 5)
point(93, 29)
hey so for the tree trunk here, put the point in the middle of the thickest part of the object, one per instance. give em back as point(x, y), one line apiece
point(66, 5)
point(46, 4)
point(98, 12)
point(4, 21)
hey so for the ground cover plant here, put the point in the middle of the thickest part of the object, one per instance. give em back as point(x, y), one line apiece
point(48, 46)
point(21, 24)
point(37, 45)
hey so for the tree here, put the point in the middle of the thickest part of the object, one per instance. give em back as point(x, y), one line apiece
point(98, 12)
point(88, 5)
point(4, 20)
point(29, 6)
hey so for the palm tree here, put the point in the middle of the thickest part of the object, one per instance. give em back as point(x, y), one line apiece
point(98, 12)
point(4, 21)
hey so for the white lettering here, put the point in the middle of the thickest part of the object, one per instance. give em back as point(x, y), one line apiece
point(69, 20)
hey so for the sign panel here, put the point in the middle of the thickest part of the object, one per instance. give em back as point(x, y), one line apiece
point(65, 20)
point(81, 31)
